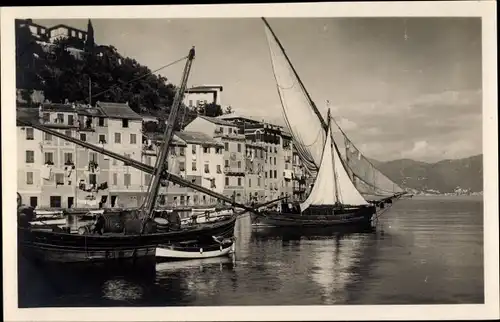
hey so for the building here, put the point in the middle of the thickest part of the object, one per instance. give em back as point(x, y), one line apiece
point(193, 156)
point(61, 174)
point(197, 96)
point(38, 32)
point(65, 31)
point(29, 158)
point(123, 132)
point(277, 149)
point(234, 152)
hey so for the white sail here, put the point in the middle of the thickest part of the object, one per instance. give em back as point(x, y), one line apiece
point(305, 126)
point(366, 177)
point(332, 184)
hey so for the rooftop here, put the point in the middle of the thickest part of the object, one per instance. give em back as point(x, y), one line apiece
point(196, 138)
point(204, 88)
point(217, 121)
point(118, 110)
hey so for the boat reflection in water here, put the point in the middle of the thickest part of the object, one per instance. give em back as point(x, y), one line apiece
point(332, 258)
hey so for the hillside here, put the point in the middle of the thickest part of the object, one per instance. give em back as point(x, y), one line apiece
point(443, 176)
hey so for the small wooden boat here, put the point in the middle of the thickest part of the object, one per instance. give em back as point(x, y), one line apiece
point(221, 244)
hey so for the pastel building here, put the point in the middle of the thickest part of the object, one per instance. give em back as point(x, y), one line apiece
point(200, 95)
point(234, 152)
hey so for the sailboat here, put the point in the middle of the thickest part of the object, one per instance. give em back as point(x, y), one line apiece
point(335, 197)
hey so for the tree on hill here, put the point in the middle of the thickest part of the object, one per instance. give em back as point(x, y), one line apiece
point(211, 109)
point(112, 77)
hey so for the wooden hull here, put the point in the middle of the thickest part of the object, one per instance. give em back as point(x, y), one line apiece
point(358, 216)
point(61, 247)
point(221, 243)
point(193, 253)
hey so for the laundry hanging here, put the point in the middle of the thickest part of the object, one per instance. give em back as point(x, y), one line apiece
point(46, 172)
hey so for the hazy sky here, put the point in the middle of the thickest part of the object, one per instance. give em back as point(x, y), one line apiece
point(401, 88)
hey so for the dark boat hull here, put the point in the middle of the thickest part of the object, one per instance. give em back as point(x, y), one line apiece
point(60, 247)
point(356, 216)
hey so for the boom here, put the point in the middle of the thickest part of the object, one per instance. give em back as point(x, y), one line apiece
point(137, 164)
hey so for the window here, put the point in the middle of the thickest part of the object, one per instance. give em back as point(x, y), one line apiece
point(182, 166)
point(102, 138)
point(147, 179)
point(46, 117)
point(71, 120)
point(226, 163)
point(68, 158)
point(83, 137)
point(93, 156)
point(249, 182)
point(190, 103)
point(49, 158)
point(47, 137)
point(92, 178)
point(182, 152)
point(239, 181)
point(227, 181)
point(30, 156)
point(30, 133)
point(286, 166)
point(207, 168)
point(133, 139)
point(261, 154)
point(60, 118)
point(230, 130)
point(67, 133)
point(270, 174)
point(118, 138)
point(59, 178)
point(148, 160)
point(101, 121)
point(239, 147)
point(124, 123)
point(275, 174)
point(274, 160)
point(219, 170)
point(258, 182)
point(34, 202)
point(193, 149)
point(29, 177)
point(126, 179)
point(115, 179)
point(206, 150)
point(239, 164)
point(193, 166)
point(55, 201)
point(265, 175)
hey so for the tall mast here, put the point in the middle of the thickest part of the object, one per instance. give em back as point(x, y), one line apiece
point(313, 105)
point(335, 177)
point(150, 200)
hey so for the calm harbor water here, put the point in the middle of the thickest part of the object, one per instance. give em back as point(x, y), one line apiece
point(424, 251)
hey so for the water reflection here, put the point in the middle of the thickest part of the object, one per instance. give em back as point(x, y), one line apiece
point(413, 257)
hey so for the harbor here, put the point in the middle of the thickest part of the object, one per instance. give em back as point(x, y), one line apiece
point(290, 179)
point(442, 254)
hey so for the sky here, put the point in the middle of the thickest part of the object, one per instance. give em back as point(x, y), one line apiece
point(400, 87)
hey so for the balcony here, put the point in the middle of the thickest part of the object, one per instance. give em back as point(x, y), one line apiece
point(56, 122)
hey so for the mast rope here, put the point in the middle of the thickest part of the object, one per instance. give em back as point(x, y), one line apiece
point(142, 76)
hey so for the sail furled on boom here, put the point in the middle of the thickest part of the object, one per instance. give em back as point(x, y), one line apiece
point(332, 184)
point(366, 177)
point(305, 126)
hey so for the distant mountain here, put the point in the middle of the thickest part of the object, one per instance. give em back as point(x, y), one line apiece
point(443, 176)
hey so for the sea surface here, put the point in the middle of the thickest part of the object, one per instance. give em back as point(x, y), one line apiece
point(423, 251)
